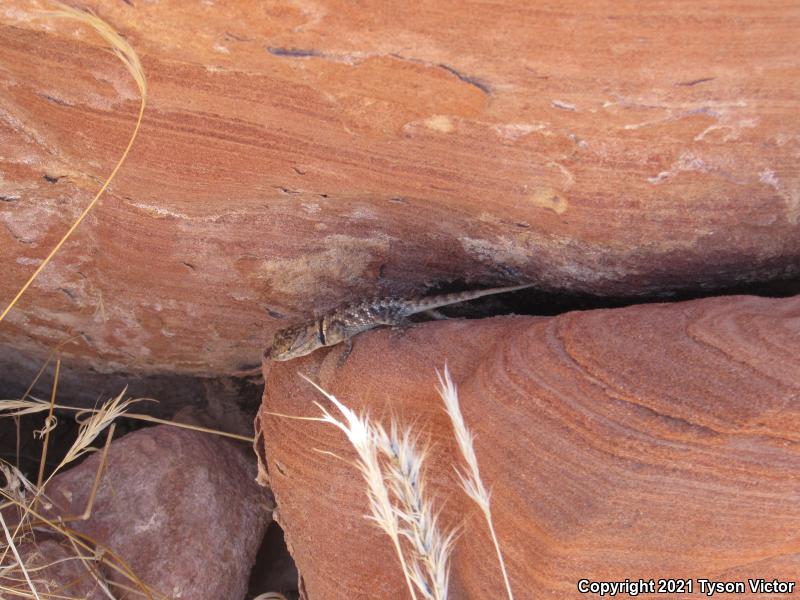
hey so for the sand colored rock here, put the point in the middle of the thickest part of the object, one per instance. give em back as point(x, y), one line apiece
point(179, 507)
point(651, 441)
point(298, 154)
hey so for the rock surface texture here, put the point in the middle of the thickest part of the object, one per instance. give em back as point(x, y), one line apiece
point(651, 441)
point(297, 154)
point(54, 572)
point(179, 507)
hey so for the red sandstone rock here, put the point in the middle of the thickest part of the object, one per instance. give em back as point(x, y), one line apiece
point(296, 155)
point(651, 441)
point(179, 507)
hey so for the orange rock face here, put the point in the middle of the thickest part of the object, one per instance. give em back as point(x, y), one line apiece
point(294, 155)
point(646, 442)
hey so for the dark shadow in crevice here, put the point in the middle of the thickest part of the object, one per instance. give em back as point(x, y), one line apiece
point(539, 302)
point(274, 569)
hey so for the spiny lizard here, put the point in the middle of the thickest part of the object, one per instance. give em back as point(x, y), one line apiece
point(342, 323)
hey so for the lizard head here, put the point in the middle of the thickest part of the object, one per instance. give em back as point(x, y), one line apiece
point(294, 341)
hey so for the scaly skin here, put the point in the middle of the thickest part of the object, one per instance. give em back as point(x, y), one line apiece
point(348, 320)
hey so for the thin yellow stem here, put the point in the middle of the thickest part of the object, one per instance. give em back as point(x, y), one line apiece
point(18, 425)
point(235, 436)
point(151, 419)
point(47, 421)
point(87, 512)
point(128, 56)
point(78, 221)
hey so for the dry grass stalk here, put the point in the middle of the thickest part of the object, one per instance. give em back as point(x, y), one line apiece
point(16, 486)
point(86, 435)
point(125, 52)
point(359, 433)
point(431, 549)
point(18, 407)
point(94, 426)
point(16, 483)
point(49, 425)
point(119, 46)
point(89, 563)
point(13, 547)
point(397, 495)
point(471, 480)
point(109, 558)
point(87, 511)
point(53, 353)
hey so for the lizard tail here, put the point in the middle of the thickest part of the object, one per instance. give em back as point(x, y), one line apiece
point(423, 304)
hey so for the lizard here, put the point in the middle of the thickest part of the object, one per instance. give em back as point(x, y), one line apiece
point(342, 323)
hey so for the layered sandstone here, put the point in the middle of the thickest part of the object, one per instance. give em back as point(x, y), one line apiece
point(298, 154)
point(651, 441)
